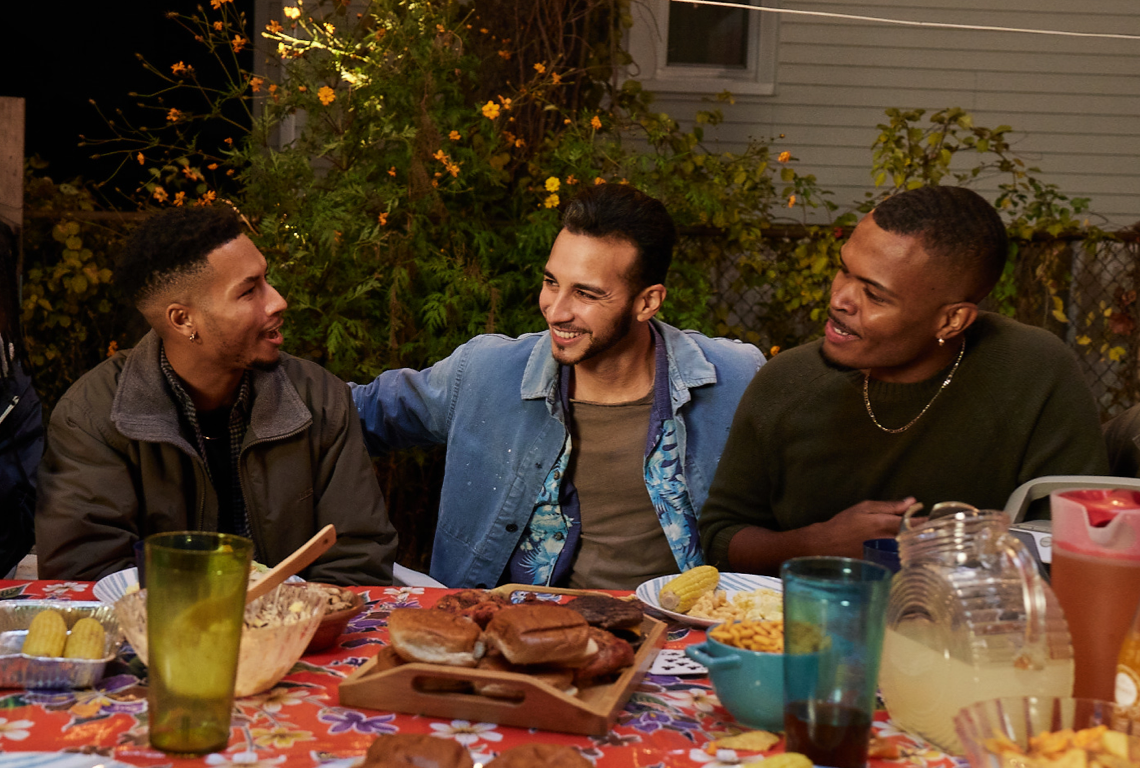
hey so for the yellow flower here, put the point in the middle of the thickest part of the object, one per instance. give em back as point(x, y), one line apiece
point(326, 95)
point(255, 84)
point(392, 171)
point(330, 28)
point(596, 122)
point(218, 26)
point(785, 156)
point(557, 78)
point(490, 110)
point(274, 27)
point(792, 201)
point(178, 68)
point(174, 115)
point(239, 42)
point(383, 219)
point(599, 180)
point(552, 184)
point(540, 68)
point(454, 136)
point(179, 198)
point(140, 158)
point(551, 202)
point(207, 198)
point(216, 4)
point(291, 12)
point(160, 194)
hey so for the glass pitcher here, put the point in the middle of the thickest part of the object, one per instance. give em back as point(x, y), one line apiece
point(970, 618)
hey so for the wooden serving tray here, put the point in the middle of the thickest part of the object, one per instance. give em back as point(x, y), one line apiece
point(386, 684)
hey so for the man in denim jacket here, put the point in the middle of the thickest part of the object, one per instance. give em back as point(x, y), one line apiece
point(580, 455)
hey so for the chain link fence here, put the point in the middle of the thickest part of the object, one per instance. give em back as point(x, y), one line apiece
point(1083, 290)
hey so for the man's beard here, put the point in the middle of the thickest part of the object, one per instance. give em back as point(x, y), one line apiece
point(601, 345)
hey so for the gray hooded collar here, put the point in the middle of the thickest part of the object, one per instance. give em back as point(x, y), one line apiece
point(144, 410)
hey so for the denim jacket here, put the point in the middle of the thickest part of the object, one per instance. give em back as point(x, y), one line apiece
point(499, 404)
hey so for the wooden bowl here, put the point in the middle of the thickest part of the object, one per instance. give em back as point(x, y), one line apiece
point(334, 622)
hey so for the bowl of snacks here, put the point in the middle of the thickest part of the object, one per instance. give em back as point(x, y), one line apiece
point(1048, 732)
point(278, 627)
point(745, 660)
point(341, 606)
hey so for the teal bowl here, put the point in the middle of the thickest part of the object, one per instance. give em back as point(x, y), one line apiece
point(749, 684)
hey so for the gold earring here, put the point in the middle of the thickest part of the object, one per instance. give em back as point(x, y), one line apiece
point(194, 336)
point(941, 341)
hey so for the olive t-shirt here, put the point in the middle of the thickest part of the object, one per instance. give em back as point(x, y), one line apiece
point(622, 543)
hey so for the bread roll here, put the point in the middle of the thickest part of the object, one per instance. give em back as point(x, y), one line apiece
point(417, 749)
point(558, 677)
point(539, 634)
point(436, 637)
point(546, 755)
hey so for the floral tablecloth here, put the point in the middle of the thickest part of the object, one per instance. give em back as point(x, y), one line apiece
point(669, 721)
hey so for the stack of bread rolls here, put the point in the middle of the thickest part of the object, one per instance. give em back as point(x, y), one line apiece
point(553, 643)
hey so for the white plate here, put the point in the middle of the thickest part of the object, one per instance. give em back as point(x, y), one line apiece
point(729, 582)
point(110, 588)
point(56, 760)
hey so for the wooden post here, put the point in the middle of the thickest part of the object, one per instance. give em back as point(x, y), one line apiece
point(12, 162)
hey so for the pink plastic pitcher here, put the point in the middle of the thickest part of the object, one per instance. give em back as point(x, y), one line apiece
point(1096, 576)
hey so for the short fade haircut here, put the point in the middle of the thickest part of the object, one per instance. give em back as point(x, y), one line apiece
point(619, 211)
point(172, 246)
point(957, 227)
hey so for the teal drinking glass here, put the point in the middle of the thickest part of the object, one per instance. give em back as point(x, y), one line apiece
point(834, 615)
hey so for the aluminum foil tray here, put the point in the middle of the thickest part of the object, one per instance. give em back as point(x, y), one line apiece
point(18, 670)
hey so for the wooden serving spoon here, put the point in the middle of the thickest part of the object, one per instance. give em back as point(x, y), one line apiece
point(307, 553)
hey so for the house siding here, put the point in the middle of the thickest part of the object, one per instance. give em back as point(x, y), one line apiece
point(1074, 103)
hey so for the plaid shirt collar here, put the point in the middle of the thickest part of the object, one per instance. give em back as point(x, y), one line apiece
point(187, 408)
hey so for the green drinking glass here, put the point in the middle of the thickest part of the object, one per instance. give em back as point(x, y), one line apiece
point(195, 607)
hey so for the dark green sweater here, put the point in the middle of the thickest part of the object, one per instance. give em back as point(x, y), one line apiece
point(802, 447)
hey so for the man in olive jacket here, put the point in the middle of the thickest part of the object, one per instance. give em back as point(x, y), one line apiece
point(206, 425)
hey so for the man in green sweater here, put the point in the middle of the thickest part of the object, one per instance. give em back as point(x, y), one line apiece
point(912, 395)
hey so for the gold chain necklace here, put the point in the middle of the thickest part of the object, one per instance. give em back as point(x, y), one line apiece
point(867, 399)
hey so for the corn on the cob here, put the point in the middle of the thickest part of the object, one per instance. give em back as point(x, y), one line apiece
point(682, 592)
point(46, 634)
point(86, 640)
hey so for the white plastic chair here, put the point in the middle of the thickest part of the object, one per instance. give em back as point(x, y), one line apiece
point(1038, 488)
point(406, 577)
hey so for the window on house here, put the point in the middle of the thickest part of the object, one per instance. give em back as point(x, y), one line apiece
point(681, 47)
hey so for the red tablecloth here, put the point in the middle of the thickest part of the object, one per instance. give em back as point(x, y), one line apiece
point(669, 721)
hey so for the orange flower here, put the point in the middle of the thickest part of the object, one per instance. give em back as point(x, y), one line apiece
point(230, 172)
point(490, 110)
point(216, 4)
point(596, 122)
point(239, 42)
point(191, 174)
point(392, 171)
point(454, 136)
point(231, 141)
point(506, 55)
point(112, 348)
point(383, 219)
point(178, 68)
point(255, 84)
point(274, 27)
point(440, 155)
point(218, 26)
point(179, 198)
point(792, 201)
point(326, 95)
point(540, 68)
point(206, 199)
point(273, 91)
point(774, 351)
point(291, 12)
point(174, 115)
point(599, 180)
point(506, 102)
point(212, 166)
point(571, 180)
point(160, 194)
point(452, 168)
point(520, 143)
point(784, 157)
point(557, 78)
point(140, 158)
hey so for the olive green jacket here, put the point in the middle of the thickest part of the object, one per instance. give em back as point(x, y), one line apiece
point(119, 467)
